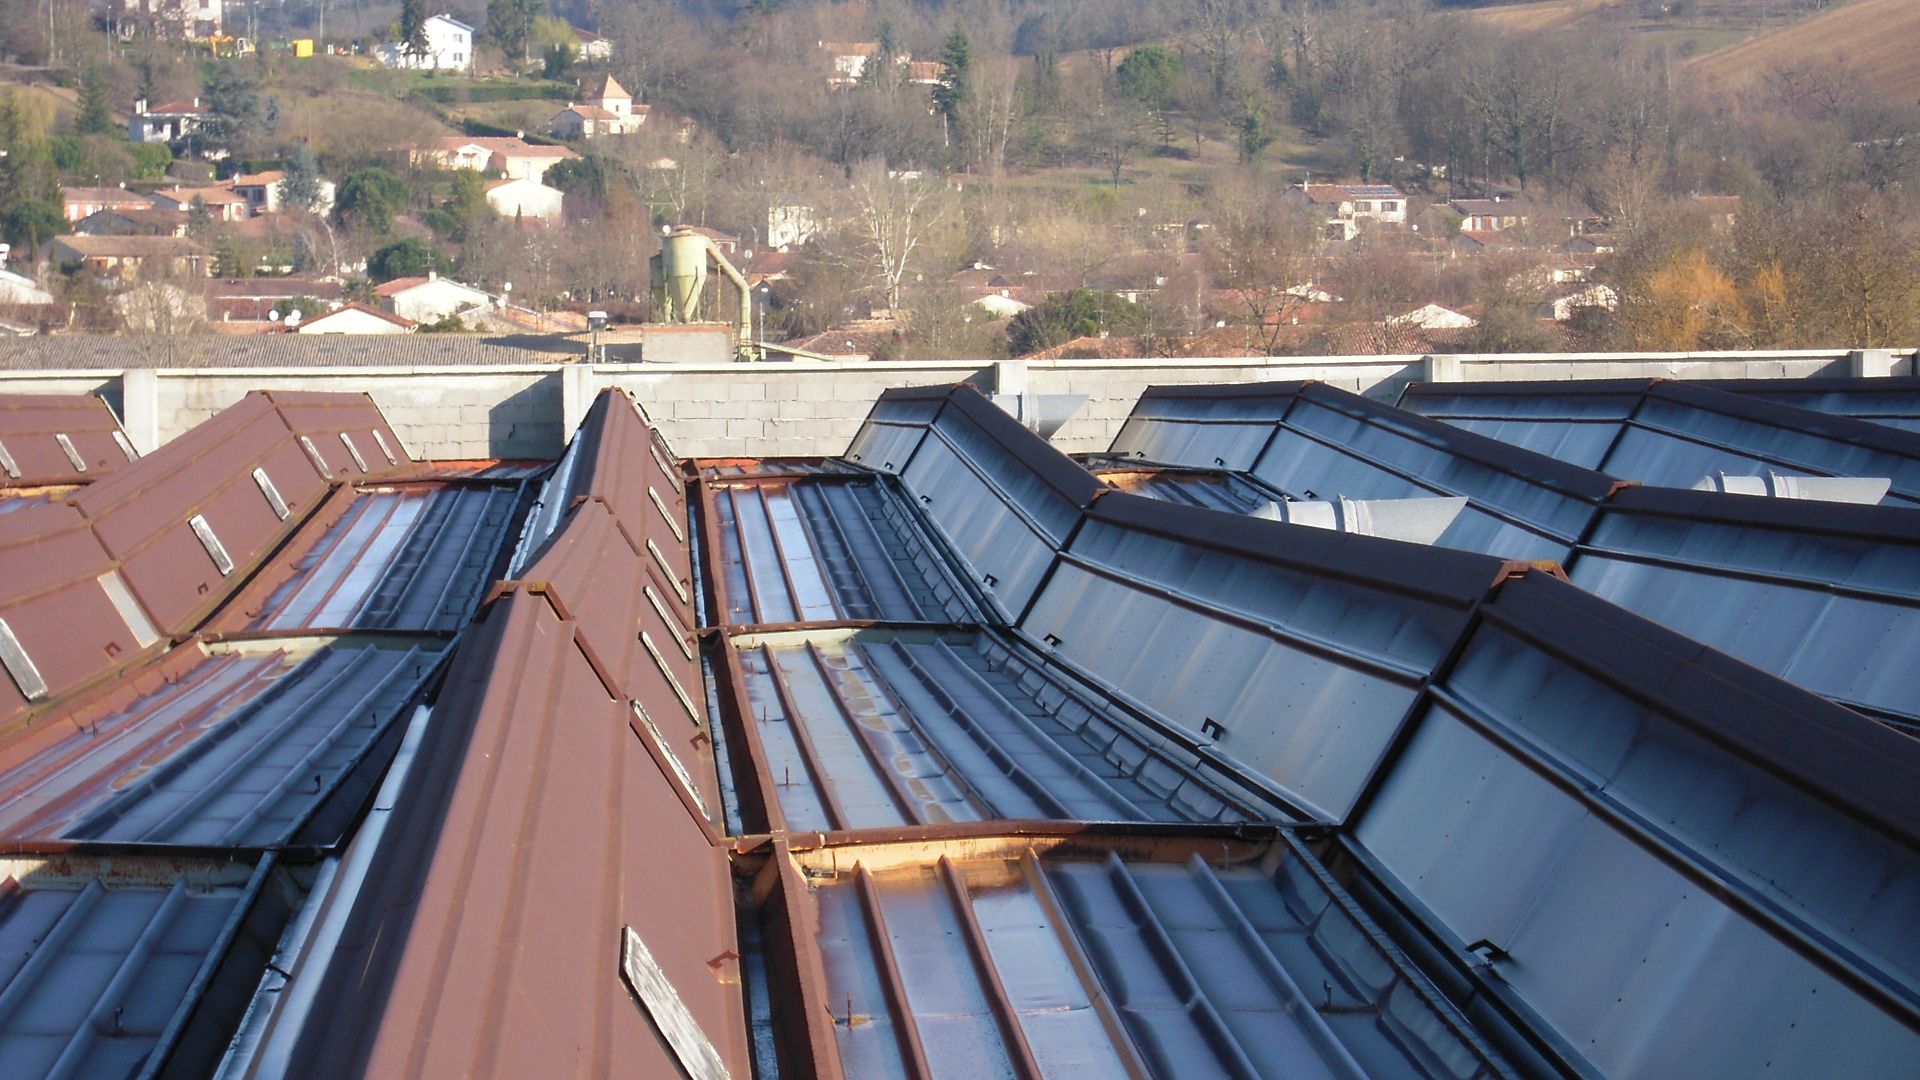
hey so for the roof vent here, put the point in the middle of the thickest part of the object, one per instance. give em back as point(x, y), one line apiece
point(1860, 490)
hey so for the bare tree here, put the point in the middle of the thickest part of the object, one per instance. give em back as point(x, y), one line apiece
point(1262, 252)
point(888, 219)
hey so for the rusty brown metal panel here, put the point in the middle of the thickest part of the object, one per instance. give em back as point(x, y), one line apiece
point(142, 514)
point(632, 633)
point(56, 605)
point(628, 468)
point(325, 417)
point(32, 427)
point(539, 828)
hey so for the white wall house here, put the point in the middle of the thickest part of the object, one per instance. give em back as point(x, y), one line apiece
point(449, 48)
point(1346, 209)
point(525, 200)
point(790, 223)
point(431, 298)
point(355, 319)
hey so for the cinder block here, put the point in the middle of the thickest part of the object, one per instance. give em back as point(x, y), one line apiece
point(743, 428)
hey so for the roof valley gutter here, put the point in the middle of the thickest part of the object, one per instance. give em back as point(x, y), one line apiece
point(549, 507)
point(276, 1021)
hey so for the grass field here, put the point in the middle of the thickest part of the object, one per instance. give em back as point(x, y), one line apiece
point(1543, 15)
point(1879, 40)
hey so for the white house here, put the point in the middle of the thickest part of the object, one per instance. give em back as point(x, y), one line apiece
point(449, 47)
point(790, 222)
point(263, 191)
point(507, 156)
point(594, 49)
point(431, 298)
point(188, 19)
point(1000, 305)
point(604, 108)
point(20, 289)
point(1435, 317)
point(169, 122)
point(355, 319)
point(525, 200)
point(1346, 209)
point(1564, 308)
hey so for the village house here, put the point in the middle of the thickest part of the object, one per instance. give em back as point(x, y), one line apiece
point(848, 60)
point(170, 123)
point(594, 49)
point(507, 156)
point(143, 220)
point(218, 199)
point(1435, 317)
point(127, 257)
point(1490, 215)
point(354, 318)
point(192, 20)
point(1345, 210)
point(790, 223)
point(80, 203)
point(21, 289)
point(262, 191)
point(525, 200)
point(247, 303)
point(449, 48)
point(431, 298)
point(604, 108)
point(725, 243)
point(1568, 305)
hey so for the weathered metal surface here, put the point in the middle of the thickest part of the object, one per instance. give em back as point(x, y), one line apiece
point(538, 818)
point(233, 751)
point(1316, 442)
point(347, 430)
point(625, 463)
point(414, 557)
point(1671, 433)
point(1293, 652)
point(106, 977)
point(58, 440)
point(1893, 401)
point(65, 605)
point(877, 728)
point(1660, 855)
point(1003, 499)
point(141, 512)
point(795, 552)
point(1059, 965)
point(783, 468)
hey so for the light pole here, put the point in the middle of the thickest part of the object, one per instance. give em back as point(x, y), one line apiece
point(596, 322)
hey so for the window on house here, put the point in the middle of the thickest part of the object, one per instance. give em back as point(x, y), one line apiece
point(1389, 207)
point(1364, 207)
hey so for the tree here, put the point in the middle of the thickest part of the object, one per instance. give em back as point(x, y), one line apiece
point(955, 85)
point(27, 225)
point(464, 209)
point(510, 23)
point(1147, 75)
point(95, 116)
point(889, 219)
point(413, 27)
point(300, 180)
point(1261, 251)
point(558, 60)
point(368, 199)
point(1061, 317)
point(411, 257)
point(236, 113)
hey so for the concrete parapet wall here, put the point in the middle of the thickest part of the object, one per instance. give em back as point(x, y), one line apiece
point(813, 409)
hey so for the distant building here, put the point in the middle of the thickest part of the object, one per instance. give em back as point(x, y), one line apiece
point(525, 200)
point(218, 199)
point(170, 122)
point(170, 19)
point(500, 156)
point(1565, 307)
point(355, 319)
point(431, 298)
point(1435, 317)
point(449, 48)
point(1346, 209)
point(131, 256)
point(21, 289)
point(848, 60)
point(80, 203)
point(790, 223)
point(144, 220)
point(1723, 209)
point(1490, 215)
point(594, 49)
point(604, 108)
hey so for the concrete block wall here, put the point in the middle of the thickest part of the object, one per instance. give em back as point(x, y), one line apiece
point(806, 409)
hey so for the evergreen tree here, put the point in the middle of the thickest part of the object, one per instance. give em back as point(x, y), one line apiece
point(413, 27)
point(954, 87)
point(236, 114)
point(96, 115)
point(300, 180)
point(510, 24)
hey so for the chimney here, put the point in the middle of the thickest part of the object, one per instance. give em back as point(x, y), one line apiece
point(196, 103)
point(140, 107)
point(433, 275)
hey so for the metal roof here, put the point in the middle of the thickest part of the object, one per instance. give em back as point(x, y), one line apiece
point(52, 439)
point(1672, 433)
point(1821, 593)
point(1893, 401)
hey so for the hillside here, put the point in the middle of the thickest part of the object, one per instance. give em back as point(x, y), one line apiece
point(1878, 39)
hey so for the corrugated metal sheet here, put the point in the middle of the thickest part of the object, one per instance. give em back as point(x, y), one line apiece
point(348, 436)
point(1696, 864)
point(541, 822)
point(52, 439)
point(879, 728)
point(1673, 433)
point(1210, 490)
point(1293, 652)
point(213, 751)
point(124, 966)
point(1312, 441)
point(415, 557)
point(1002, 498)
point(1180, 957)
point(827, 551)
point(1893, 401)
